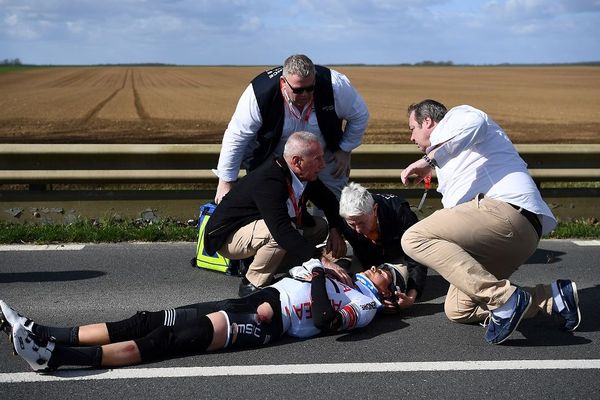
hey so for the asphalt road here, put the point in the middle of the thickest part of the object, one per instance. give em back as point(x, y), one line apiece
point(410, 352)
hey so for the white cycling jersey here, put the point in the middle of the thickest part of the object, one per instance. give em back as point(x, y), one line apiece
point(358, 305)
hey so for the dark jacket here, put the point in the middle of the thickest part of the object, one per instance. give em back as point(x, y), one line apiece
point(271, 104)
point(263, 194)
point(395, 217)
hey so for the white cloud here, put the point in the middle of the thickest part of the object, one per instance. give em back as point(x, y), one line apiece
point(11, 20)
point(330, 31)
point(155, 23)
point(74, 26)
point(251, 24)
point(18, 29)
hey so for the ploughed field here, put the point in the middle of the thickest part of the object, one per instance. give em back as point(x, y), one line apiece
point(549, 104)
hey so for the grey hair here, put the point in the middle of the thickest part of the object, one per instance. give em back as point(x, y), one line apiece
point(298, 144)
point(355, 200)
point(298, 64)
point(428, 109)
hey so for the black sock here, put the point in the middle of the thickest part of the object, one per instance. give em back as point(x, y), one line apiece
point(66, 336)
point(90, 356)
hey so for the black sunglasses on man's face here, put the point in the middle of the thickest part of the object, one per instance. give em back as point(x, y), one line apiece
point(298, 90)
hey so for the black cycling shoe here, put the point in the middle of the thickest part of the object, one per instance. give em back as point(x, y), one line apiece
point(246, 288)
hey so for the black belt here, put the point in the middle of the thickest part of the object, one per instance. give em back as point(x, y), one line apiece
point(531, 217)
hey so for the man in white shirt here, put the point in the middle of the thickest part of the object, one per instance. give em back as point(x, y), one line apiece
point(492, 221)
point(296, 97)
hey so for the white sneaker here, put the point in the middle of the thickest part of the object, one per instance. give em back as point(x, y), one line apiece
point(9, 318)
point(36, 352)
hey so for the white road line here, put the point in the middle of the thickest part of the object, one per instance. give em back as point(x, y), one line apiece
point(587, 242)
point(40, 247)
point(295, 369)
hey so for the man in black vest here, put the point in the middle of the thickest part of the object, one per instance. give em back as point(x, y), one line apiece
point(296, 97)
point(264, 215)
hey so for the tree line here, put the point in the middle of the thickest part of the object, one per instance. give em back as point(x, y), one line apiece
point(11, 61)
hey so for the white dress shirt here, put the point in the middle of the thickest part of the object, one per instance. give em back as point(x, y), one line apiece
point(476, 156)
point(239, 138)
point(298, 188)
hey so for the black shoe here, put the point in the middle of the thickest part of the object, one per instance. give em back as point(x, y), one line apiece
point(239, 267)
point(246, 288)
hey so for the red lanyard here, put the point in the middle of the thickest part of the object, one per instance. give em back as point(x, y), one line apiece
point(309, 110)
point(298, 115)
point(295, 205)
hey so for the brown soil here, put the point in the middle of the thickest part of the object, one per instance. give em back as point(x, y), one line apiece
point(194, 104)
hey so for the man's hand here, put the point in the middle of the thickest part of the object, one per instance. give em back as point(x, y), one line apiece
point(222, 189)
point(406, 300)
point(336, 245)
point(420, 168)
point(342, 163)
point(402, 302)
point(336, 271)
point(390, 307)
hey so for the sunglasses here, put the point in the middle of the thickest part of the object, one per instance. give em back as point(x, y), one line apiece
point(298, 90)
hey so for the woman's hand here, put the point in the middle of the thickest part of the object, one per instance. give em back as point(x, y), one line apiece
point(336, 271)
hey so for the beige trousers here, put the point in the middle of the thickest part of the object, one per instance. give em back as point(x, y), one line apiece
point(476, 246)
point(255, 240)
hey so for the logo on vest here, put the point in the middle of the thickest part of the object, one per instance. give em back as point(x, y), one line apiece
point(328, 108)
point(274, 72)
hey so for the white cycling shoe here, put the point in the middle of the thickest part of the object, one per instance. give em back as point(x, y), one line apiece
point(9, 318)
point(35, 351)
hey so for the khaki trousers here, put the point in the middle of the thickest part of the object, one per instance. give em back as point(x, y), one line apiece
point(476, 246)
point(255, 240)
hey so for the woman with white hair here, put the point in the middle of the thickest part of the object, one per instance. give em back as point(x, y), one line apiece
point(374, 227)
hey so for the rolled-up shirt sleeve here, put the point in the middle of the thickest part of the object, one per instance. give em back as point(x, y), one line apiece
point(350, 106)
point(239, 136)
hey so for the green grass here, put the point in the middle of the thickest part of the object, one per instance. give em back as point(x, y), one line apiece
point(97, 232)
point(570, 185)
point(90, 231)
point(12, 68)
point(586, 229)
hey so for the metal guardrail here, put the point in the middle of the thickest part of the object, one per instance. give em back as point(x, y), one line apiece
point(185, 163)
point(42, 166)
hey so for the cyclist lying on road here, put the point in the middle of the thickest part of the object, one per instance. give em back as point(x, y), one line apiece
point(301, 307)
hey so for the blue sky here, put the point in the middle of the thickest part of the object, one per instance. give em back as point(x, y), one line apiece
point(260, 32)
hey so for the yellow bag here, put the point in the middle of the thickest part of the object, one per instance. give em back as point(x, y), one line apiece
point(215, 262)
